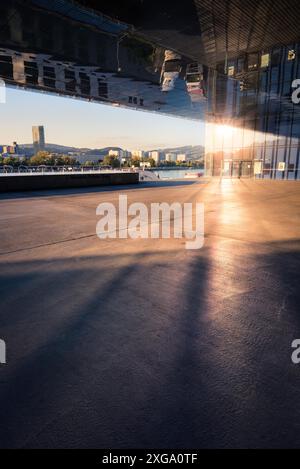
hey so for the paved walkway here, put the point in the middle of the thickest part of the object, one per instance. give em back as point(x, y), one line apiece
point(140, 343)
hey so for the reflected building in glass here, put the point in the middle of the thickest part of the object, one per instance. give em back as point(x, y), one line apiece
point(231, 64)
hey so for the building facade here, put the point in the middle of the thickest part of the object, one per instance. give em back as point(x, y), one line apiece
point(156, 156)
point(182, 158)
point(171, 157)
point(138, 154)
point(253, 121)
point(38, 136)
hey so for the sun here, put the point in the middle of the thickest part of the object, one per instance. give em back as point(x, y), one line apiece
point(224, 130)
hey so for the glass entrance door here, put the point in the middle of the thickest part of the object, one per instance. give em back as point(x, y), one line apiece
point(236, 165)
point(246, 170)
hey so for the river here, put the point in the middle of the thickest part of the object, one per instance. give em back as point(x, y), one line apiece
point(177, 173)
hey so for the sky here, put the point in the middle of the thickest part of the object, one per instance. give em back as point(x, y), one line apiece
point(78, 123)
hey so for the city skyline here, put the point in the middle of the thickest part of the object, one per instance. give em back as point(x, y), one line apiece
point(78, 123)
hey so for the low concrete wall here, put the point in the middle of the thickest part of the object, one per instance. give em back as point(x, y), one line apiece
point(58, 181)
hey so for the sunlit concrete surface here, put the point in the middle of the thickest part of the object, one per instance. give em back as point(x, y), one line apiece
point(141, 343)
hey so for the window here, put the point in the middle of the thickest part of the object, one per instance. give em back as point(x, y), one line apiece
point(231, 71)
point(102, 89)
point(49, 77)
point(85, 83)
point(265, 60)
point(31, 72)
point(6, 66)
point(70, 80)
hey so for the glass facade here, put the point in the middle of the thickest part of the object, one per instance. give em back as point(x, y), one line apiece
point(252, 120)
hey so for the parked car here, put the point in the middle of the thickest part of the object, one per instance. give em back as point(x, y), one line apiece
point(171, 69)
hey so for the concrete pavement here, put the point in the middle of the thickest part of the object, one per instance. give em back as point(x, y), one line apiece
point(140, 343)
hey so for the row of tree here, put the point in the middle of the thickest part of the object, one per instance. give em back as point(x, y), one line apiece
point(41, 158)
point(50, 159)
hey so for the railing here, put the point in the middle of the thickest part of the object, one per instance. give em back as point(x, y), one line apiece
point(7, 170)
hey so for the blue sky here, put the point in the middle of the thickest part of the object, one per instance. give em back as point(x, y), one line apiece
point(78, 123)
